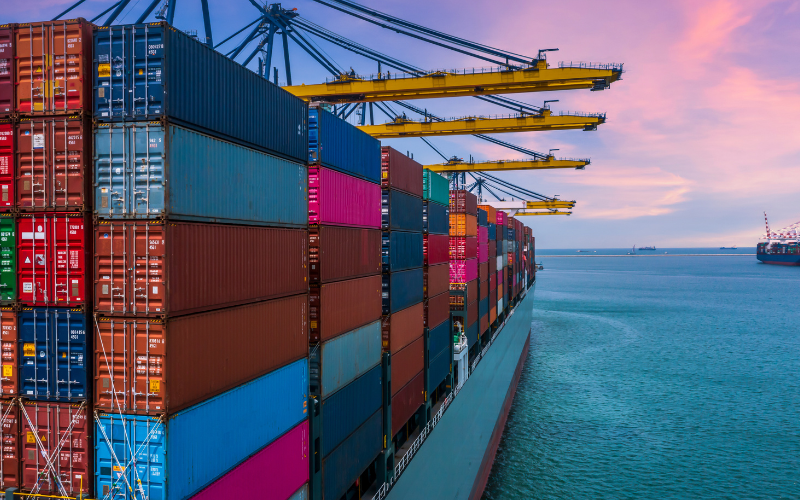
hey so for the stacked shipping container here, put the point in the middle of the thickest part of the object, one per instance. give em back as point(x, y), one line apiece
point(491, 229)
point(464, 256)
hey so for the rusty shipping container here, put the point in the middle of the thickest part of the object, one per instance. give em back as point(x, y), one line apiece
point(337, 308)
point(401, 328)
point(7, 200)
point(10, 437)
point(437, 310)
point(52, 65)
point(407, 401)
point(54, 163)
point(341, 253)
point(436, 279)
point(436, 249)
point(6, 70)
point(400, 172)
point(407, 363)
point(154, 366)
point(463, 202)
point(157, 268)
point(9, 386)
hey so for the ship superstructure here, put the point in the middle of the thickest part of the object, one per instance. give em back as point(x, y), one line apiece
point(782, 247)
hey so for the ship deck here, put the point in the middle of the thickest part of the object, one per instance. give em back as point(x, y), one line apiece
point(455, 460)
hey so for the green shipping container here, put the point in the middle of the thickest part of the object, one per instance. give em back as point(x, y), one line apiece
point(435, 188)
point(8, 258)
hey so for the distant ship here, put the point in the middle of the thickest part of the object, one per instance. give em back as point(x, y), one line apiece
point(647, 248)
point(782, 247)
point(728, 248)
point(587, 251)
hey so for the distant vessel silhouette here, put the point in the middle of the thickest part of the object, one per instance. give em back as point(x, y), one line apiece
point(728, 248)
point(647, 248)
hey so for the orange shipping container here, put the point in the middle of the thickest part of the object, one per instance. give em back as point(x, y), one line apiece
point(491, 213)
point(9, 436)
point(401, 328)
point(463, 225)
point(8, 323)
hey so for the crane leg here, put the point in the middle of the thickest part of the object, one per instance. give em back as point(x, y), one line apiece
point(171, 11)
point(286, 57)
point(206, 23)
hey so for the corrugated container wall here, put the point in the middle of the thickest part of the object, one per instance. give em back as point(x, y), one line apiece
point(439, 338)
point(463, 202)
point(439, 366)
point(6, 70)
point(401, 328)
point(8, 258)
point(346, 463)
point(349, 407)
point(435, 187)
point(160, 71)
point(401, 212)
point(407, 363)
point(334, 143)
point(400, 173)
point(435, 218)
point(401, 250)
point(437, 310)
point(340, 253)
point(338, 307)
point(437, 248)
point(340, 361)
point(10, 352)
point(401, 289)
point(7, 174)
point(337, 199)
point(436, 279)
point(9, 432)
point(407, 401)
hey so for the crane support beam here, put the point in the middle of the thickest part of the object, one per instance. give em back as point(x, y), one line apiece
point(502, 165)
point(402, 127)
point(554, 212)
point(384, 87)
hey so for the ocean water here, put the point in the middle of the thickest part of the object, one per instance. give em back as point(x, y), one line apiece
point(657, 378)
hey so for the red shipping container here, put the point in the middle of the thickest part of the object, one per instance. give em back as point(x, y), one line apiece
point(436, 248)
point(337, 199)
point(401, 328)
point(53, 259)
point(492, 280)
point(463, 247)
point(337, 308)
point(407, 363)
point(491, 213)
point(54, 163)
point(340, 253)
point(407, 401)
point(462, 271)
point(472, 291)
point(483, 271)
point(472, 313)
point(436, 279)
point(152, 366)
point(53, 67)
point(6, 165)
point(400, 172)
point(64, 424)
point(156, 268)
point(484, 324)
point(437, 310)
point(6, 70)
point(10, 437)
point(483, 235)
point(463, 202)
point(9, 386)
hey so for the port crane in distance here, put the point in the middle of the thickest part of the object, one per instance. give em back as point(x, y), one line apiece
point(487, 184)
point(549, 162)
point(522, 213)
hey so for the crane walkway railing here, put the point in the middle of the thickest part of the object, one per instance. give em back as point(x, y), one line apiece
point(590, 65)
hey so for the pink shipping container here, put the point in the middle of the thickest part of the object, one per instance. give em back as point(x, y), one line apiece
point(483, 235)
point(483, 253)
point(337, 199)
point(501, 218)
point(500, 277)
point(274, 473)
point(463, 271)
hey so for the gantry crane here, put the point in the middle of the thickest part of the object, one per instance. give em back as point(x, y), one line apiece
point(486, 184)
point(458, 165)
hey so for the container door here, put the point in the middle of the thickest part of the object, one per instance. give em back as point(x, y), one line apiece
point(110, 82)
point(34, 341)
point(147, 358)
point(111, 365)
point(69, 266)
point(110, 162)
point(69, 354)
point(111, 275)
point(147, 144)
point(146, 70)
point(8, 258)
point(9, 436)
point(34, 142)
point(70, 154)
point(6, 71)
point(34, 265)
point(10, 350)
point(6, 157)
point(31, 68)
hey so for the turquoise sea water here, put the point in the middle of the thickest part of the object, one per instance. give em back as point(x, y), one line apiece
point(662, 378)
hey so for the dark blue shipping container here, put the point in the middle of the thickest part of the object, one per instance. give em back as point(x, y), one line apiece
point(472, 334)
point(334, 143)
point(492, 231)
point(482, 217)
point(150, 71)
point(349, 407)
point(510, 235)
point(401, 250)
point(435, 218)
point(439, 339)
point(438, 369)
point(483, 308)
point(346, 463)
point(400, 211)
point(53, 361)
point(401, 289)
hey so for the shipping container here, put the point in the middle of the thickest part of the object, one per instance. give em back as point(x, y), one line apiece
point(472, 313)
point(53, 365)
point(346, 463)
point(407, 363)
point(435, 218)
point(400, 212)
point(436, 249)
point(8, 258)
point(336, 199)
point(407, 401)
point(9, 381)
point(435, 188)
point(145, 170)
point(483, 308)
point(341, 253)
point(493, 311)
point(349, 407)
point(463, 225)
point(54, 163)
point(403, 327)
point(483, 235)
point(439, 368)
point(52, 64)
point(338, 362)
point(492, 232)
point(482, 218)
point(483, 271)
point(472, 334)
point(400, 173)
point(10, 437)
point(401, 250)
point(436, 279)
point(336, 308)
point(7, 70)
point(462, 271)
point(491, 254)
point(491, 213)
point(336, 144)
point(160, 366)
point(274, 473)
point(7, 151)
point(483, 254)
point(472, 291)
point(501, 219)
point(463, 202)
point(172, 463)
point(401, 289)
point(300, 494)
point(463, 248)
point(439, 338)
point(56, 429)
point(149, 71)
point(157, 268)
point(437, 310)
point(483, 325)
point(492, 279)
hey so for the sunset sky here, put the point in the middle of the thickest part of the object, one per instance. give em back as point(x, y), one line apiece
point(702, 136)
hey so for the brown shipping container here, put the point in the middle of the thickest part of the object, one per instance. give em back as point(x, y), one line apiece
point(156, 268)
point(407, 363)
point(492, 296)
point(337, 308)
point(53, 67)
point(8, 322)
point(492, 280)
point(437, 310)
point(483, 271)
point(472, 291)
point(492, 260)
point(400, 172)
point(340, 253)
point(484, 324)
point(463, 202)
point(472, 313)
point(436, 279)
point(402, 328)
point(491, 212)
point(54, 163)
point(7, 70)
point(156, 366)
point(9, 436)
point(407, 401)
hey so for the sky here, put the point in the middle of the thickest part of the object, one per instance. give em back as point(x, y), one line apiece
point(702, 132)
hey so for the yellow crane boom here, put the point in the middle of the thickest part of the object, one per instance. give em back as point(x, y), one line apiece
point(549, 204)
point(552, 212)
point(507, 165)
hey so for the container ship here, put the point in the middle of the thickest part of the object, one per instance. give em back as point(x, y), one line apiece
point(782, 247)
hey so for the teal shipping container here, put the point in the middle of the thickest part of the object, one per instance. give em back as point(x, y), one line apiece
point(145, 170)
point(435, 188)
point(339, 361)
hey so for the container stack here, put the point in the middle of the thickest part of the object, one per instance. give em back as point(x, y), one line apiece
point(502, 260)
point(491, 217)
point(347, 377)
point(464, 258)
point(200, 273)
point(483, 273)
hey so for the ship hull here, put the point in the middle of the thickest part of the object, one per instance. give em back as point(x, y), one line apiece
point(779, 260)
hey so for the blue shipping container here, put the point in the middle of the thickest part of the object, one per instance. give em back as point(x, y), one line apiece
point(435, 218)
point(151, 71)
point(492, 232)
point(334, 143)
point(148, 170)
point(439, 338)
point(483, 308)
point(346, 463)
point(482, 217)
point(53, 361)
point(401, 250)
point(401, 289)
point(176, 459)
point(400, 211)
point(349, 407)
point(438, 369)
point(345, 358)
point(472, 334)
